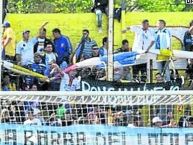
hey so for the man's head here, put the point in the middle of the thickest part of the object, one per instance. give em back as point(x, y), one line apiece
point(157, 122)
point(56, 33)
point(6, 24)
point(85, 33)
point(159, 78)
point(34, 87)
point(49, 47)
point(145, 24)
point(30, 115)
point(43, 33)
point(26, 34)
point(125, 44)
point(37, 57)
point(161, 24)
point(95, 51)
point(105, 42)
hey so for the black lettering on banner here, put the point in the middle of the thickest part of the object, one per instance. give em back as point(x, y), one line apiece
point(98, 136)
point(42, 135)
point(139, 139)
point(152, 136)
point(123, 138)
point(113, 138)
point(27, 137)
point(68, 138)
point(81, 139)
point(176, 138)
point(188, 138)
point(163, 137)
point(10, 137)
point(55, 140)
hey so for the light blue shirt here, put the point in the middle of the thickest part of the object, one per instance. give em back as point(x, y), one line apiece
point(163, 39)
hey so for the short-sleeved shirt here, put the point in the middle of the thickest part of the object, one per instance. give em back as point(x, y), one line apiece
point(25, 49)
point(10, 48)
point(50, 57)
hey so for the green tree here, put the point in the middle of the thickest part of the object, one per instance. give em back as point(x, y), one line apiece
point(162, 5)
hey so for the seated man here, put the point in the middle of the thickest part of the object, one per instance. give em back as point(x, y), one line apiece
point(38, 67)
point(124, 47)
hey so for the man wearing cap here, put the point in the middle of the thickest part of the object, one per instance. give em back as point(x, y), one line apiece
point(157, 122)
point(24, 50)
point(8, 41)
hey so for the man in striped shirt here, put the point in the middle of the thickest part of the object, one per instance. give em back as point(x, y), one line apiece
point(85, 47)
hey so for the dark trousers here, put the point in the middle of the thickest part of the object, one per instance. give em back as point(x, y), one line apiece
point(140, 68)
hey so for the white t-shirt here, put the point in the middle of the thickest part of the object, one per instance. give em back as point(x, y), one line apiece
point(40, 46)
point(50, 57)
point(34, 121)
point(25, 49)
point(143, 38)
point(64, 84)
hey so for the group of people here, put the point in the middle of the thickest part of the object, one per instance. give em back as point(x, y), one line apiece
point(51, 57)
point(45, 56)
point(65, 114)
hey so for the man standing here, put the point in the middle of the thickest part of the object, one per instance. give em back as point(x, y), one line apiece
point(144, 41)
point(41, 40)
point(188, 38)
point(163, 44)
point(100, 7)
point(8, 42)
point(84, 50)
point(24, 50)
point(62, 45)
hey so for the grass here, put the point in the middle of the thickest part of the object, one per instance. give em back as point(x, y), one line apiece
point(72, 24)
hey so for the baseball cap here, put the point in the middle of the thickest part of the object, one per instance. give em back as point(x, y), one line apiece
point(156, 119)
point(26, 31)
point(36, 111)
point(6, 24)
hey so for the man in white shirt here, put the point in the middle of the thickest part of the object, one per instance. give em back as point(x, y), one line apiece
point(24, 50)
point(31, 118)
point(143, 42)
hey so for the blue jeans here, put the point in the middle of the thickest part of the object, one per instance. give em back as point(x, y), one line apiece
point(99, 17)
point(163, 68)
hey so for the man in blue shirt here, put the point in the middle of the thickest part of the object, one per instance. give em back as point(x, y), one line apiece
point(103, 49)
point(62, 45)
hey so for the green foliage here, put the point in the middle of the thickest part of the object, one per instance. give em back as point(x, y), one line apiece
point(162, 5)
point(49, 6)
point(81, 6)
